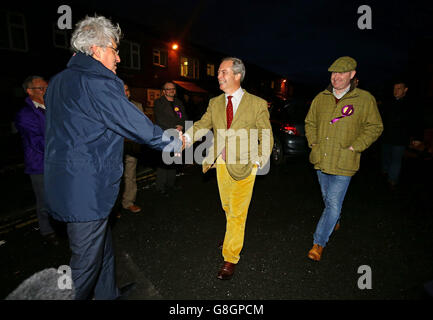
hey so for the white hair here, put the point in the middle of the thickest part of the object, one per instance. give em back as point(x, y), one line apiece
point(97, 30)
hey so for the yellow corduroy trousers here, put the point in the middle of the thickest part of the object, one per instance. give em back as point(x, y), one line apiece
point(235, 198)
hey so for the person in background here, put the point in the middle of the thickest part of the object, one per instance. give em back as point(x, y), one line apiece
point(131, 152)
point(401, 130)
point(169, 113)
point(30, 123)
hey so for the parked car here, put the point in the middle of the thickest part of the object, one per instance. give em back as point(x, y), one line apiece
point(288, 126)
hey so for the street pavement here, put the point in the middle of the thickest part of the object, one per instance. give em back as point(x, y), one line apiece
point(383, 250)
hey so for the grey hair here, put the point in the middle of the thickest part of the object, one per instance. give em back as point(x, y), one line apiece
point(97, 30)
point(238, 66)
point(29, 80)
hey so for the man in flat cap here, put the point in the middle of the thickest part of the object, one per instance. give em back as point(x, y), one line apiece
point(343, 121)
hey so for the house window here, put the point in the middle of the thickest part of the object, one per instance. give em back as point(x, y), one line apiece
point(183, 67)
point(189, 68)
point(135, 54)
point(13, 34)
point(195, 69)
point(160, 58)
point(60, 38)
point(210, 70)
point(130, 55)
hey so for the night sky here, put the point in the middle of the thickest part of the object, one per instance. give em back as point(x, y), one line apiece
point(297, 39)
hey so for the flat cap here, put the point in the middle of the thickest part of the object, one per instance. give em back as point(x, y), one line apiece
point(343, 64)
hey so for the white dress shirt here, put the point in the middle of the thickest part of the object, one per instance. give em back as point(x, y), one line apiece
point(236, 100)
point(38, 105)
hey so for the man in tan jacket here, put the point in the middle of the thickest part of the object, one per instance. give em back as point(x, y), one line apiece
point(242, 144)
point(343, 121)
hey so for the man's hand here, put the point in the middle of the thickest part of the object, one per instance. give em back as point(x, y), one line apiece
point(188, 142)
point(351, 149)
point(181, 137)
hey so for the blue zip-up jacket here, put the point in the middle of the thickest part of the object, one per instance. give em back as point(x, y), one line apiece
point(30, 123)
point(88, 115)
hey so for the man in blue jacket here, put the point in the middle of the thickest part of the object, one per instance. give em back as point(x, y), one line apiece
point(88, 117)
point(30, 123)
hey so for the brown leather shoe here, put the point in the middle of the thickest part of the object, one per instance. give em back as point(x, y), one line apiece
point(337, 226)
point(133, 208)
point(226, 271)
point(315, 253)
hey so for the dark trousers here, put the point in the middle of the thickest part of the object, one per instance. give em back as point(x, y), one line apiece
point(92, 261)
point(45, 227)
point(165, 177)
point(392, 158)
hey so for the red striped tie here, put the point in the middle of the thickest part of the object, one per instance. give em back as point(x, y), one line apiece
point(229, 114)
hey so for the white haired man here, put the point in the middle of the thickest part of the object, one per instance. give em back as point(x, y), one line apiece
point(88, 117)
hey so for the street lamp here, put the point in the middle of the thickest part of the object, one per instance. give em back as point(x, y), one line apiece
point(175, 46)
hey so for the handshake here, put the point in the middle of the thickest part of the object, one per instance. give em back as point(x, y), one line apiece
point(183, 139)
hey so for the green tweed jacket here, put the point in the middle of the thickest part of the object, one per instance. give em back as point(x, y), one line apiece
point(249, 140)
point(330, 142)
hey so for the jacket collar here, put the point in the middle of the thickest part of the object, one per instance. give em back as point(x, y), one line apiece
point(352, 87)
point(82, 62)
point(328, 90)
point(242, 105)
point(30, 103)
point(222, 96)
point(39, 112)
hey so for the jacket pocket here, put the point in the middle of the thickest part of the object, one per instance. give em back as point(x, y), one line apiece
point(315, 154)
point(348, 160)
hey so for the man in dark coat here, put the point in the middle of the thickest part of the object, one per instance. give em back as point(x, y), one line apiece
point(88, 117)
point(30, 122)
point(169, 114)
point(401, 128)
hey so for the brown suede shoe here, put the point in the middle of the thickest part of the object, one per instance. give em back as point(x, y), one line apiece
point(226, 271)
point(315, 253)
point(133, 208)
point(337, 226)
